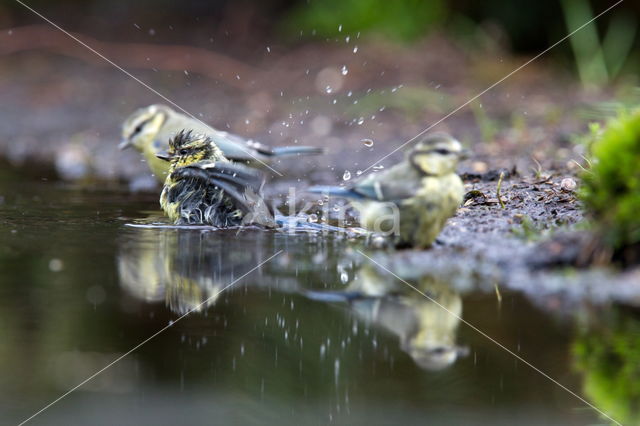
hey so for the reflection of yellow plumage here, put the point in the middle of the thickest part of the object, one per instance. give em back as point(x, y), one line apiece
point(412, 199)
point(426, 331)
point(142, 267)
point(183, 268)
point(149, 130)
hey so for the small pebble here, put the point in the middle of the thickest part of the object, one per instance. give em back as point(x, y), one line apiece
point(568, 184)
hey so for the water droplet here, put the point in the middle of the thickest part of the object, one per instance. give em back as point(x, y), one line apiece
point(344, 277)
point(340, 28)
point(328, 89)
point(344, 70)
point(186, 72)
point(367, 142)
point(360, 121)
point(346, 175)
point(336, 208)
point(268, 49)
point(56, 265)
point(355, 49)
point(378, 167)
point(359, 172)
point(313, 218)
point(346, 39)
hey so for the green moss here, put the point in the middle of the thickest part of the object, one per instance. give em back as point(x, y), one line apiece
point(611, 190)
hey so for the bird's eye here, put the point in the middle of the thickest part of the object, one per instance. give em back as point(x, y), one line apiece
point(139, 127)
point(184, 152)
point(439, 350)
point(442, 151)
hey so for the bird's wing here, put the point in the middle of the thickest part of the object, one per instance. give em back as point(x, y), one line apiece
point(396, 183)
point(240, 149)
point(233, 146)
point(387, 190)
point(234, 179)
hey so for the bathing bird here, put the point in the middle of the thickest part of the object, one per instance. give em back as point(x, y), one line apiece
point(204, 187)
point(149, 130)
point(413, 199)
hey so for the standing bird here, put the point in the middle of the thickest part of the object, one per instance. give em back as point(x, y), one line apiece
point(204, 187)
point(149, 130)
point(417, 195)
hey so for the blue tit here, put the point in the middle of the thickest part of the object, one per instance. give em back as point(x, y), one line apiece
point(413, 199)
point(149, 130)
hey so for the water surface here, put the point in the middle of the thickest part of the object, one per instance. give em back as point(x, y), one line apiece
point(317, 335)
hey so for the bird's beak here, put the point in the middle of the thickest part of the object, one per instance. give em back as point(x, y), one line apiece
point(163, 156)
point(124, 144)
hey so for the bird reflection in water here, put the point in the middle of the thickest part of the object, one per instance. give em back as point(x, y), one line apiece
point(183, 267)
point(426, 330)
point(186, 268)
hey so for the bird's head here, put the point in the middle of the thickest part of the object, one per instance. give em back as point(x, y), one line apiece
point(141, 127)
point(436, 154)
point(187, 148)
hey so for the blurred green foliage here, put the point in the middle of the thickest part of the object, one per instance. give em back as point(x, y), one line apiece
point(598, 60)
point(402, 20)
point(609, 357)
point(611, 190)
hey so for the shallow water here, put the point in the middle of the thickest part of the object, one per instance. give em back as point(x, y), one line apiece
point(316, 335)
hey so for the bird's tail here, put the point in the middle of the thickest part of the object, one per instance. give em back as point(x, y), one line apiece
point(332, 296)
point(302, 224)
point(336, 191)
point(295, 150)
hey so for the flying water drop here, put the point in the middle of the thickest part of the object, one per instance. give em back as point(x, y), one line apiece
point(367, 142)
point(347, 175)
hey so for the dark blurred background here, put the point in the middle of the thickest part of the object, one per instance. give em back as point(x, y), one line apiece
point(527, 27)
point(328, 72)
